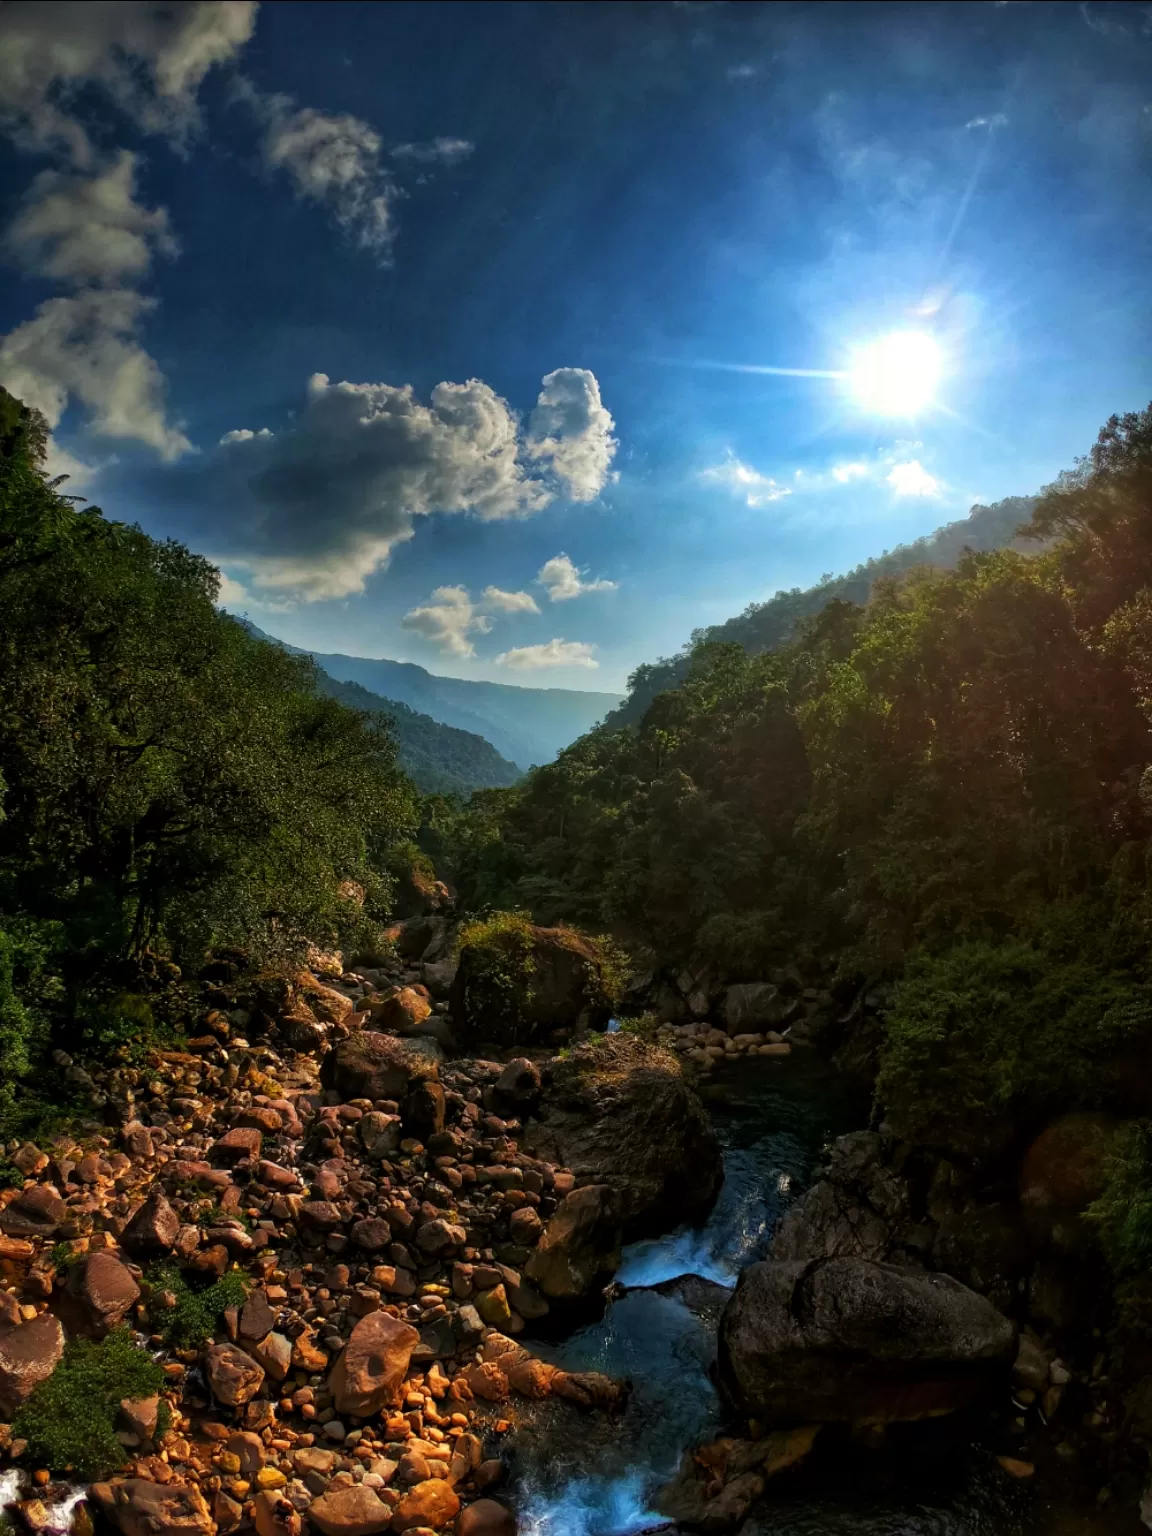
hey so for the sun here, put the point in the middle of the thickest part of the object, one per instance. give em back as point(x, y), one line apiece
point(896, 375)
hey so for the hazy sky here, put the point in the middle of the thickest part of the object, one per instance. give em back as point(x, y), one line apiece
point(441, 328)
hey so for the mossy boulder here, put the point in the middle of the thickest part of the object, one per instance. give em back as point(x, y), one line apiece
point(517, 982)
point(619, 1112)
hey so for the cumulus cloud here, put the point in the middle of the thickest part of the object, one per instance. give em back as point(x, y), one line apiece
point(509, 602)
point(756, 489)
point(438, 151)
point(447, 621)
point(151, 58)
point(88, 228)
point(563, 580)
point(85, 345)
point(912, 479)
point(314, 509)
point(333, 159)
point(553, 653)
point(571, 430)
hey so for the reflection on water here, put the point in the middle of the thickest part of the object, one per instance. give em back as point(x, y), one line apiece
point(594, 1477)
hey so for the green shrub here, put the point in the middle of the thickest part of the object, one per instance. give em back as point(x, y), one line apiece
point(987, 1031)
point(198, 1311)
point(1124, 1211)
point(69, 1421)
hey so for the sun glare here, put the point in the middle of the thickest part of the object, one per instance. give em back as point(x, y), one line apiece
point(896, 375)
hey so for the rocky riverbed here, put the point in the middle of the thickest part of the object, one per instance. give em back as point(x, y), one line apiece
point(373, 1274)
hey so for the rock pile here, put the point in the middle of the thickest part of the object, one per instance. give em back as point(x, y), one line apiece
point(393, 1231)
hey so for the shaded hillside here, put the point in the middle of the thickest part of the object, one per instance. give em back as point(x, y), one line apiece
point(765, 626)
point(525, 725)
point(439, 759)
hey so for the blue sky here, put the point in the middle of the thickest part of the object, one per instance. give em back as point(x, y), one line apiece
point(588, 223)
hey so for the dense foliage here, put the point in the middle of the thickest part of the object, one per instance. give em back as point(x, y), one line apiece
point(167, 781)
point(950, 783)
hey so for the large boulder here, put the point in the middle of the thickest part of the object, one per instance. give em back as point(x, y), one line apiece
point(580, 1247)
point(515, 981)
point(140, 1507)
point(29, 1353)
point(850, 1341)
point(372, 1367)
point(368, 1065)
point(858, 1210)
point(99, 1294)
point(619, 1111)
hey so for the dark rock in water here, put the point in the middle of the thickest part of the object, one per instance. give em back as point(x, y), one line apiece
point(850, 1341)
point(580, 1246)
point(860, 1209)
point(704, 1297)
point(372, 1066)
point(619, 1111)
point(717, 1484)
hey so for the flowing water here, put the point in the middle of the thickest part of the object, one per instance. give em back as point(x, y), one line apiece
point(591, 1477)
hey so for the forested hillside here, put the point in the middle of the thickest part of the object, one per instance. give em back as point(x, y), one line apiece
point(439, 759)
point(949, 787)
point(764, 626)
point(168, 783)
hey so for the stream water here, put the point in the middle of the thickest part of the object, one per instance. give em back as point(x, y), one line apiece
point(597, 1478)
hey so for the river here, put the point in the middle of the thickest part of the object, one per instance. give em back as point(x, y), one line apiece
point(593, 1477)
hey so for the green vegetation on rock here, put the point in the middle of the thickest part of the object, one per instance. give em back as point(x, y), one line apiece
point(69, 1421)
point(198, 1311)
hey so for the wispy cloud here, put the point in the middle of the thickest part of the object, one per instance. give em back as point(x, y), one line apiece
point(438, 151)
point(499, 601)
point(755, 489)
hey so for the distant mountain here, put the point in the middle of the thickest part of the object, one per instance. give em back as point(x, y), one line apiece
point(764, 626)
point(439, 759)
point(525, 725)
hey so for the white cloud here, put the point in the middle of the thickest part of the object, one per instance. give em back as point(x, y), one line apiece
point(88, 228)
point(912, 479)
point(315, 508)
point(151, 57)
point(447, 621)
point(438, 151)
point(84, 346)
point(564, 580)
point(740, 478)
point(509, 602)
point(996, 120)
point(553, 653)
point(335, 160)
point(571, 429)
point(843, 474)
point(232, 593)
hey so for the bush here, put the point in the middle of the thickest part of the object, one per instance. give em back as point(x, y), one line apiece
point(1007, 1030)
point(1124, 1211)
point(198, 1312)
point(69, 1421)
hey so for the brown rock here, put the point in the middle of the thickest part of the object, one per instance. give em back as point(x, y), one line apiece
point(140, 1415)
point(567, 982)
point(487, 1381)
point(580, 1245)
point(371, 1370)
point(355, 1511)
point(236, 1144)
point(154, 1228)
point(101, 1292)
point(235, 1378)
point(275, 1515)
point(373, 1066)
point(486, 1518)
point(274, 1353)
point(35, 1212)
point(143, 1508)
point(400, 1013)
point(372, 1234)
point(258, 1317)
point(433, 1504)
point(28, 1355)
